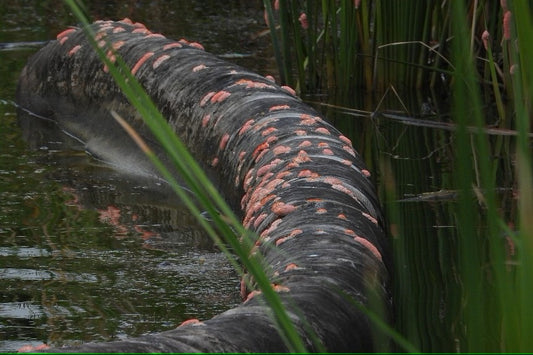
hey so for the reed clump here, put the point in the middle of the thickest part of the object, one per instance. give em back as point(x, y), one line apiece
point(349, 46)
point(478, 52)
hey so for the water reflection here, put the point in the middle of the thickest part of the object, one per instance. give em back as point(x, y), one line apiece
point(22, 310)
point(84, 249)
point(24, 252)
point(36, 275)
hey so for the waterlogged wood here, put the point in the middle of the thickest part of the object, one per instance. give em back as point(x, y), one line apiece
point(294, 179)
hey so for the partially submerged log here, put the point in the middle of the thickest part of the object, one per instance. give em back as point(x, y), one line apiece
point(293, 178)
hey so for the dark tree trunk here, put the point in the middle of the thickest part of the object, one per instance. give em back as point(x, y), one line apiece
point(292, 177)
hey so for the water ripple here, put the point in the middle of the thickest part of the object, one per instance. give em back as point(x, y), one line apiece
point(37, 275)
point(24, 252)
point(20, 310)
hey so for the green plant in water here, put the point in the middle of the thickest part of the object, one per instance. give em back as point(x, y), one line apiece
point(480, 52)
point(341, 46)
point(496, 271)
point(474, 243)
point(350, 46)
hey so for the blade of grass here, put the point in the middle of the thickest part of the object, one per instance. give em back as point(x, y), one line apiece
point(469, 255)
point(522, 79)
point(482, 316)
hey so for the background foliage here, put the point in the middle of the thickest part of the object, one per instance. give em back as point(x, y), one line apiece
point(354, 53)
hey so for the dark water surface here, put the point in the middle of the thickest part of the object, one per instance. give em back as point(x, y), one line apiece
point(89, 255)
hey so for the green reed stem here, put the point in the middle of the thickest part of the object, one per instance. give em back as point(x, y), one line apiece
point(289, 25)
point(282, 57)
point(522, 78)
point(495, 87)
point(413, 43)
point(488, 285)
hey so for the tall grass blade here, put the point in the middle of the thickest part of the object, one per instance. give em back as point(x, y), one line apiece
point(522, 77)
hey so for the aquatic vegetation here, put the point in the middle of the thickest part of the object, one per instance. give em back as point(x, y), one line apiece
point(479, 53)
